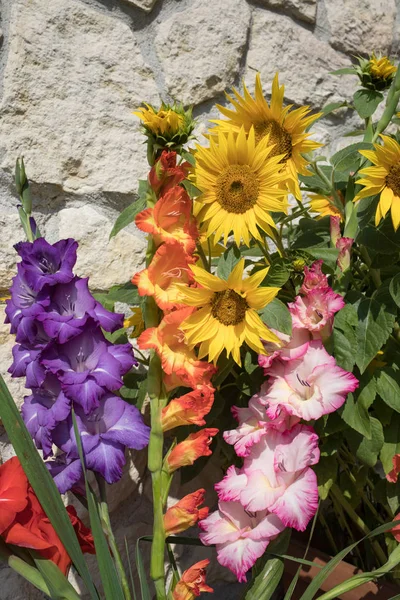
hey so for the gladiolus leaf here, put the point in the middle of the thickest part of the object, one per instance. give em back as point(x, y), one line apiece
point(42, 483)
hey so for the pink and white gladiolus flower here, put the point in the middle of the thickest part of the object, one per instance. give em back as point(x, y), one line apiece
point(315, 311)
point(241, 537)
point(309, 387)
point(294, 346)
point(254, 423)
point(277, 477)
point(314, 278)
point(344, 246)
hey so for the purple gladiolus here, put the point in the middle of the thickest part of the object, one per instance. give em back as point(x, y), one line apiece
point(68, 363)
point(105, 433)
point(45, 263)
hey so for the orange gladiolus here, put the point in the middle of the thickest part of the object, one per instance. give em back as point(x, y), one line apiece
point(192, 582)
point(185, 513)
point(196, 445)
point(169, 343)
point(170, 265)
point(165, 174)
point(188, 409)
point(171, 220)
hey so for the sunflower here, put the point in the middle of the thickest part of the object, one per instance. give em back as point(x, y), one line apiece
point(383, 178)
point(325, 207)
point(239, 181)
point(381, 68)
point(285, 127)
point(226, 315)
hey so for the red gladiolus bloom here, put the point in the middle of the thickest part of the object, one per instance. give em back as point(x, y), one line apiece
point(30, 527)
point(196, 445)
point(165, 174)
point(188, 409)
point(192, 582)
point(185, 513)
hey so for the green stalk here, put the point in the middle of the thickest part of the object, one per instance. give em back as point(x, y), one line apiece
point(391, 106)
point(106, 523)
point(158, 400)
point(337, 494)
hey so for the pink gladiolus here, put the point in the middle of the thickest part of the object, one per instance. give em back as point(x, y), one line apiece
point(335, 230)
point(314, 278)
point(240, 536)
point(254, 424)
point(308, 387)
point(277, 477)
point(315, 311)
point(292, 347)
point(344, 246)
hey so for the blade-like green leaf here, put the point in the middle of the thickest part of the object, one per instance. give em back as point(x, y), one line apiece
point(108, 572)
point(42, 483)
point(361, 578)
point(144, 586)
point(265, 583)
point(21, 567)
point(332, 564)
point(59, 586)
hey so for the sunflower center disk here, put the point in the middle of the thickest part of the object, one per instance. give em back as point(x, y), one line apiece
point(281, 139)
point(393, 179)
point(228, 307)
point(237, 189)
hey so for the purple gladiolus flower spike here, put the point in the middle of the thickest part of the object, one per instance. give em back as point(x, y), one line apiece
point(67, 474)
point(105, 433)
point(47, 264)
point(43, 410)
point(67, 362)
point(86, 368)
point(70, 307)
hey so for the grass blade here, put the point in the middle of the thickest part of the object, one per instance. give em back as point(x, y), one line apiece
point(42, 483)
point(144, 586)
point(331, 565)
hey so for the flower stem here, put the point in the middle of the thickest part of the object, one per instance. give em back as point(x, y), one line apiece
point(106, 522)
point(337, 494)
point(158, 400)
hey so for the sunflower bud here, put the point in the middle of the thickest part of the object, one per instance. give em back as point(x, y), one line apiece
point(376, 73)
point(169, 127)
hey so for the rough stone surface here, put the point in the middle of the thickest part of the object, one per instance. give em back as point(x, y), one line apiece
point(305, 10)
point(361, 25)
point(72, 72)
point(72, 78)
point(107, 262)
point(199, 51)
point(277, 43)
point(146, 5)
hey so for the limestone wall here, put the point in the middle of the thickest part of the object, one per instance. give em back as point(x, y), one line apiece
point(72, 72)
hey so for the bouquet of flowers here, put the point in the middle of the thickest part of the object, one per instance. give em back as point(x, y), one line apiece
point(264, 329)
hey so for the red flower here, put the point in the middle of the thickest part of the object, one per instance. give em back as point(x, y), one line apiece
point(29, 526)
point(185, 513)
point(165, 174)
point(171, 220)
point(392, 476)
point(83, 533)
point(195, 445)
point(192, 582)
point(13, 491)
point(188, 409)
